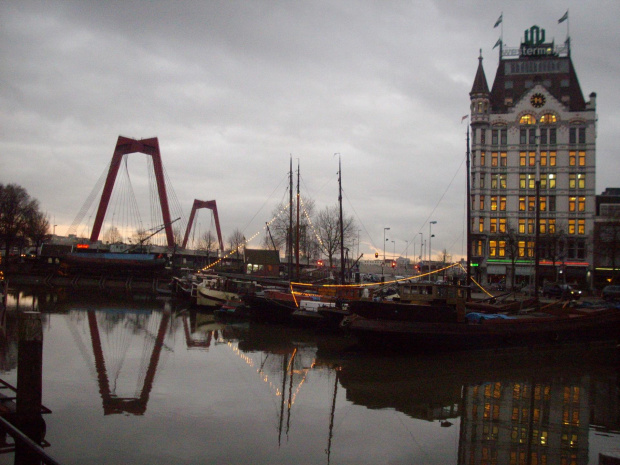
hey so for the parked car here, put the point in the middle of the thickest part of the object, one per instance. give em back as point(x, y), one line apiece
point(611, 292)
point(560, 291)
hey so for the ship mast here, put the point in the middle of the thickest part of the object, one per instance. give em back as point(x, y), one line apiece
point(341, 222)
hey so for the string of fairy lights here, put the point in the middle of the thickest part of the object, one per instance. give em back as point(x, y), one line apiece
point(297, 293)
point(234, 251)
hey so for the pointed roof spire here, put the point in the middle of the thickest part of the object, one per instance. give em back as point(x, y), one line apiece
point(480, 81)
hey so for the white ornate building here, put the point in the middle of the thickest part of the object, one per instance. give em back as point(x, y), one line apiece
point(533, 120)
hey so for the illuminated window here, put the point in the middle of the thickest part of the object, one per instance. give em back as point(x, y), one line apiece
point(522, 158)
point(493, 226)
point(572, 158)
point(552, 226)
point(548, 118)
point(522, 181)
point(522, 248)
point(521, 226)
point(571, 226)
point(482, 158)
point(582, 204)
point(527, 119)
point(581, 181)
point(494, 159)
point(502, 248)
point(493, 203)
point(572, 181)
point(530, 226)
point(542, 204)
point(503, 159)
point(478, 248)
point(532, 158)
point(481, 202)
point(531, 203)
point(493, 181)
point(581, 227)
point(502, 181)
point(502, 203)
point(543, 158)
point(543, 226)
point(552, 158)
point(502, 225)
point(492, 248)
point(531, 181)
point(572, 202)
point(481, 224)
point(551, 182)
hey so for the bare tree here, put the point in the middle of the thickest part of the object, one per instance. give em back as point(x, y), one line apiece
point(511, 249)
point(607, 243)
point(236, 241)
point(16, 210)
point(38, 229)
point(327, 226)
point(141, 236)
point(553, 246)
point(112, 235)
point(207, 242)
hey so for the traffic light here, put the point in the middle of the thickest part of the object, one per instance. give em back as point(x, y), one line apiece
point(376, 254)
point(393, 264)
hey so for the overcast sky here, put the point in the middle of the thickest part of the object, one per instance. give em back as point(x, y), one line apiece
point(233, 89)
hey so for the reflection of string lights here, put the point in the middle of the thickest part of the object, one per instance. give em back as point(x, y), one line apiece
point(265, 377)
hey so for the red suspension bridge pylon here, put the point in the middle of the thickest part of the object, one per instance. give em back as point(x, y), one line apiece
point(198, 204)
point(124, 146)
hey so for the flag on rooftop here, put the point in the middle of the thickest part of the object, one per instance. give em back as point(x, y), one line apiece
point(563, 18)
point(498, 43)
point(499, 20)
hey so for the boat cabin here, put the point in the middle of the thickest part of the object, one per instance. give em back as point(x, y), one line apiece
point(427, 292)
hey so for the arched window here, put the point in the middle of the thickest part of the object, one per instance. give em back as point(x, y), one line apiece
point(527, 119)
point(548, 118)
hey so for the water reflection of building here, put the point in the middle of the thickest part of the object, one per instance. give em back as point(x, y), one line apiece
point(536, 419)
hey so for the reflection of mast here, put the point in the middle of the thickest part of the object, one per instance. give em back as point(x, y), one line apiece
point(111, 403)
point(284, 370)
point(290, 392)
point(331, 418)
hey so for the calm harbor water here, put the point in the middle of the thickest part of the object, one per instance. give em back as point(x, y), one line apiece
point(140, 380)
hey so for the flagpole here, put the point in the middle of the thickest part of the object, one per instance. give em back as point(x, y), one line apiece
point(502, 34)
point(568, 30)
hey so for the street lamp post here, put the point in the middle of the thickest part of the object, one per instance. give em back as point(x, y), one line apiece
point(421, 246)
point(384, 241)
point(430, 236)
point(394, 250)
